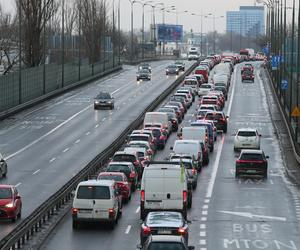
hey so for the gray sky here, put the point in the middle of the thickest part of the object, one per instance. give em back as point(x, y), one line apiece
point(217, 7)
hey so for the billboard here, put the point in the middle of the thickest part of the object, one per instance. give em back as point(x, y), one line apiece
point(169, 32)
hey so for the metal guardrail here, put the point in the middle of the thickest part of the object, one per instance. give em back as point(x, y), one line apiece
point(31, 225)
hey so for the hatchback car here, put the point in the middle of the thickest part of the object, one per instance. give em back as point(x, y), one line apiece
point(172, 70)
point(3, 166)
point(104, 99)
point(164, 223)
point(248, 76)
point(247, 138)
point(10, 203)
point(143, 74)
point(251, 162)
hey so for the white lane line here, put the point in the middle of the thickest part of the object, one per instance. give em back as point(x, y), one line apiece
point(117, 90)
point(202, 234)
point(272, 182)
point(52, 160)
point(203, 219)
point(77, 141)
point(216, 163)
point(202, 226)
point(103, 119)
point(203, 248)
point(138, 209)
point(87, 133)
point(36, 171)
point(204, 212)
point(128, 229)
point(65, 150)
point(49, 133)
point(202, 242)
point(205, 207)
point(97, 125)
point(206, 200)
point(18, 184)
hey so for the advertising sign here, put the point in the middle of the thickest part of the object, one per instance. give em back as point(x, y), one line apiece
point(169, 32)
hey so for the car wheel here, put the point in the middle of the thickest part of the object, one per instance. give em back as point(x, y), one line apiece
point(166, 74)
point(75, 224)
point(4, 175)
point(95, 107)
point(212, 149)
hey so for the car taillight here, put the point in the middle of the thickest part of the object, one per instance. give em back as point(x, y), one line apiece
point(194, 171)
point(181, 230)
point(215, 129)
point(162, 137)
point(132, 175)
point(173, 121)
point(111, 213)
point(74, 211)
point(184, 196)
point(142, 195)
point(146, 230)
point(136, 163)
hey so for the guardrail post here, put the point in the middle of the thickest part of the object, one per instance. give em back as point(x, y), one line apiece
point(19, 244)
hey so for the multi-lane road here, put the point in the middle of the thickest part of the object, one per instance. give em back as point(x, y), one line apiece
point(47, 145)
point(227, 213)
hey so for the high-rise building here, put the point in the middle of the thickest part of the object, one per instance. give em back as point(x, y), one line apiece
point(248, 21)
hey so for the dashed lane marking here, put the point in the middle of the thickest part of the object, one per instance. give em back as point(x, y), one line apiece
point(128, 229)
point(202, 234)
point(52, 160)
point(77, 141)
point(18, 184)
point(65, 150)
point(137, 210)
point(87, 133)
point(35, 172)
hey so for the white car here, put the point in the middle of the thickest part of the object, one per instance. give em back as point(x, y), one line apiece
point(205, 88)
point(247, 138)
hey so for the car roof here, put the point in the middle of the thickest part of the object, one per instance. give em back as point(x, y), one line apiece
point(247, 129)
point(119, 163)
point(123, 152)
point(251, 151)
point(166, 238)
point(97, 183)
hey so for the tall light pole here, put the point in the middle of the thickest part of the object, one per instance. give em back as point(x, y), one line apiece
point(143, 26)
point(214, 28)
point(119, 33)
point(164, 23)
point(154, 25)
point(131, 49)
point(201, 32)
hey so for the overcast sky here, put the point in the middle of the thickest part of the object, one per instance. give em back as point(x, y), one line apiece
point(217, 7)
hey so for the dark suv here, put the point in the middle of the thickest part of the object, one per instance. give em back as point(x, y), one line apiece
point(104, 99)
point(219, 119)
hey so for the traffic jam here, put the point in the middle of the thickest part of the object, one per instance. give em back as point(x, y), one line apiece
point(166, 185)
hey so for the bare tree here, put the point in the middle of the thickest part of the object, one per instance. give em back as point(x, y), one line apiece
point(35, 14)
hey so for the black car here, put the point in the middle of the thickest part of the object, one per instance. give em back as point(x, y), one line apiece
point(164, 223)
point(172, 70)
point(104, 99)
point(252, 162)
point(180, 65)
point(143, 74)
point(146, 66)
point(165, 242)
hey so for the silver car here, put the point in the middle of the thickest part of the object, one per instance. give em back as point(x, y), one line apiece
point(104, 99)
point(3, 167)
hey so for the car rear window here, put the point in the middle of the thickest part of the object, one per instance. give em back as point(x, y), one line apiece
point(251, 156)
point(138, 138)
point(165, 246)
point(111, 177)
point(5, 193)
point(103, 96)
point(124, 157)
point(247, 133)
point(189, 82)
point(93, 192)
point(205, 86)
point(119, 168)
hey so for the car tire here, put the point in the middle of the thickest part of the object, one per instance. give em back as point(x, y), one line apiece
point(211, 149)
point(137, 79)
point(75, 224)
point(4, 175)
point(20, 214)
point(95, 107)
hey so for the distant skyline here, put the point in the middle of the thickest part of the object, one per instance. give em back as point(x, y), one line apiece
point(216, 7)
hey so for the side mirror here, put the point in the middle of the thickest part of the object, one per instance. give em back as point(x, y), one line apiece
point(171, 148)
point(18, 197)
point(267, 157)
point(139, 246)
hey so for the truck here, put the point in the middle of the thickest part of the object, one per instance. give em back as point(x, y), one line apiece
point(193, 53)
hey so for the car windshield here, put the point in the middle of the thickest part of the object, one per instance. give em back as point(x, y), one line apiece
point(103, 96)
point(124, 157)
point(138, 138)
point(247, 133)
point(190, 82)
point(111, 177)
point(251, 156)
point(193, 53)
point(144, 71)
point(159, 218)
point(166, 110)
point(172, 66)
point(93, 192)
point(118, 168)
point(5, 193)
point(166, 246)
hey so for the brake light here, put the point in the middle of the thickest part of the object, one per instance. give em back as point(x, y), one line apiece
point(111, 213)
point(146, 230)
point(132, 175)
point(194, 171)
point(173, 121)
point(162, 137)
point(142, 195)
point(74, 211)
point(184, 196)
point(181, 230)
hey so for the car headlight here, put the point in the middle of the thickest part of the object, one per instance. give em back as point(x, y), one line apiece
point(109, 102)
point(10, 205)
point(97, 102)
point(167, 69)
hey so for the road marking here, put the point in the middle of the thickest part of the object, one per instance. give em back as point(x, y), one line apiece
point(202, 242)
point(205, 207)
point(128, 229)
point(203, 219)
point(103, 119)
point(204, 212)
point(87, 133)
point(138, 209)
point(36, 171)
point(49, 133)
point(203, 248)
point(18, 184)
point(52, 160)
point(117, 90)
point(65, 150)
point(253, 216)
point(202, 234)
point(97, 125)
point(216, 163)
point(77, 141)
point(206, 200)
point(202, 226)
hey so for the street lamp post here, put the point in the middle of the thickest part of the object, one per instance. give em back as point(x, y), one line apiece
point(143, 26)
point(214, 28)
point(201, 32)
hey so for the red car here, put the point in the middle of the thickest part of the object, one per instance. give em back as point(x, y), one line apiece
point(122, 183)
point(10, 203)
point(248, 76)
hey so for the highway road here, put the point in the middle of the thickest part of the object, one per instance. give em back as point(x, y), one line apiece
point(48, 144)
point(227, 213)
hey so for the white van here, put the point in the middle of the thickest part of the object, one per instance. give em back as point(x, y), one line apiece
point(164, 186)
point(158, 117)
point(192, 147)
point(96, 200)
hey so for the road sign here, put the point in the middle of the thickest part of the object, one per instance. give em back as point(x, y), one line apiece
point(296, 112)
point(274, 62)
point(266, 50)
point(284, 84)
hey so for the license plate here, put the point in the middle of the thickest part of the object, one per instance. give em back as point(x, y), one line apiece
point(164, 232)
point(85, 211)
point(154, 203)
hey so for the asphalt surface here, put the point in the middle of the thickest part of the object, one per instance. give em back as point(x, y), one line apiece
point(47, 145)
point(227, 213)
